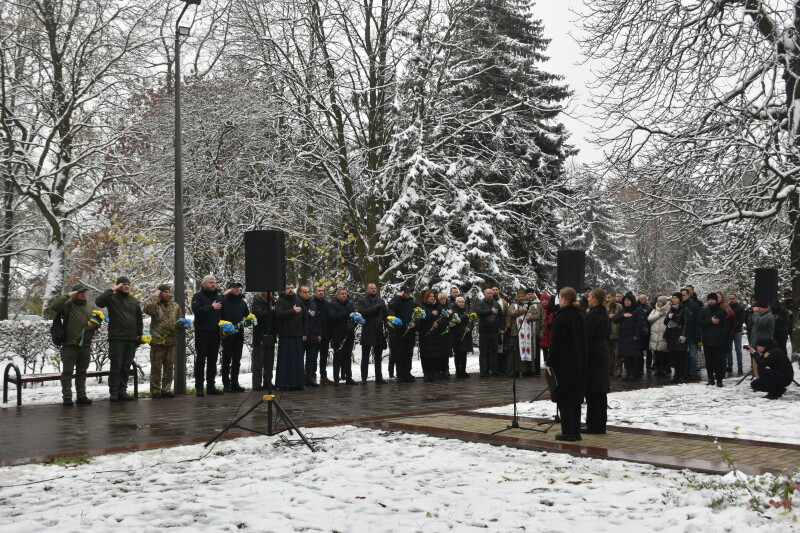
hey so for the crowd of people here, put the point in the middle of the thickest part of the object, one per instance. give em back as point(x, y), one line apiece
point(620, 335)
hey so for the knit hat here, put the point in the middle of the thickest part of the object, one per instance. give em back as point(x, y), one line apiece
point(123, 279)
point(629, 296)
point(530, 291)
point(544, 296)
point(712, 296)
point(766, 342)
point(677, 295)
point(662, 299)
point(165, 287)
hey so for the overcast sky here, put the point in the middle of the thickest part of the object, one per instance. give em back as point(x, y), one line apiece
point(565, 56)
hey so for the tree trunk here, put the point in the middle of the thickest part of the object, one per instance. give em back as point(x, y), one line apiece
point(794, 262)
point(7, 247)
point(55, 271)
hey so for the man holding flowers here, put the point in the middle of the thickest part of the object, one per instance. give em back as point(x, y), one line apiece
point(76, 351)
point(124, 334)
point(234, 310)
point(164, 315)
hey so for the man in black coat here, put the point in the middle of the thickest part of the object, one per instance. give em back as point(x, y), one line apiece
point(775, 371)
point(402, 305)
point(692, 342)
point(373, 337)
point(568, 361)
point(490, 322)
point(325, 332)
point(715, 329)
point(207, 310)
point(343, 336)
point(314, 335)
point(234, 310)
point(735, 342)
point(263, 342)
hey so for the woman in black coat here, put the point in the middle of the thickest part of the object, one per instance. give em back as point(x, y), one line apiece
point(567, 360)
point(430, 336)
point(631, 324)
point(461, 338)
point(598, 329)
point(679, 323)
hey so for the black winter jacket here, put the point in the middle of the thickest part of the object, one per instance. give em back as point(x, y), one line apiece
point(339, 315)
point(314, 328)
point(569, 354)
point(289, 323)
point(373, 309)
point(679, 323)
point(206, 318)
point(489, 322)
point(403, 309)
point(598, 329)
point(630, 331)
point(234, 309)
point(324, 320)
point(462, 340)
point(266, 321)
point(714, 334)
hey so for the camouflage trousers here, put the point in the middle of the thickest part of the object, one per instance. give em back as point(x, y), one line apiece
point(162, 367)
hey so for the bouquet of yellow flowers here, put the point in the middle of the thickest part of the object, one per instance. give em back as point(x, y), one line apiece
point(249, 320)
point(418, 314)
point(146, 338)
point(472, 319)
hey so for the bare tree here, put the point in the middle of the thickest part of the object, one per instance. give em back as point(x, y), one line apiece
point(701, 105)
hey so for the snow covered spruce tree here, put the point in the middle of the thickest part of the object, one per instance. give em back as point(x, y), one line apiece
point(480, 155)
point(704, 105)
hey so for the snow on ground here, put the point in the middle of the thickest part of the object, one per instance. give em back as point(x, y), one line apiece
point(50, 391)
point(371, 481)
point(730, 411)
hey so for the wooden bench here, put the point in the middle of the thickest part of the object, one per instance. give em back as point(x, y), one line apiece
point(18, 379)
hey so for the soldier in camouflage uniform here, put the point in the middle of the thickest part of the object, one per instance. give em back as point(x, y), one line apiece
point(76, 353)
point(164, 313)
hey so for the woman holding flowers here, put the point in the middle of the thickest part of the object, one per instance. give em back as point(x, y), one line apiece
point(76, 352)
point(430, 336)
point(164, 315)
point(461, 336)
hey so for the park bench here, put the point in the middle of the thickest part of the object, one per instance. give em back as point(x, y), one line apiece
point(18, 379)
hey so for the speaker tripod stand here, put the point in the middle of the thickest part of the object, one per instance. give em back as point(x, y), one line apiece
point(274, 413)
point(556, 419)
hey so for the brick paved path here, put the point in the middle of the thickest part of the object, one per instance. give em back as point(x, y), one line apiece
point(43, 432)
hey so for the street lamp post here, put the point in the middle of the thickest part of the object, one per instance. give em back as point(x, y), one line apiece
point(180, 274)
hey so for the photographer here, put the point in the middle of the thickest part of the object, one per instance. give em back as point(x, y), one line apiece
point(773, 368)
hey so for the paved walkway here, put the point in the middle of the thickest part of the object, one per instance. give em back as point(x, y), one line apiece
point(44, 432)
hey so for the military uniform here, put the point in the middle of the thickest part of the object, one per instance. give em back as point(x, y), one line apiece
point(163, 315)
point(76, 353)
point(125, 328)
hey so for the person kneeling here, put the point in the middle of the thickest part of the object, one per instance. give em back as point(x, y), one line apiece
point(773, 368)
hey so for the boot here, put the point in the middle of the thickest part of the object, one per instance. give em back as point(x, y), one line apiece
point(200, 392)
point(68, 402)
point(84, 401)
point(325, 381)
point(350, 381)
point(237, 388)
point(719, 383)
point(213, 391)
point(124, 396)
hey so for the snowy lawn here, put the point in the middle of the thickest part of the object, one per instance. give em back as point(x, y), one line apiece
point(730, 411)
point(372, 481)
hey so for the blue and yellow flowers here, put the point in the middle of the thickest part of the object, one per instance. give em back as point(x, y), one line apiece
point(146, 338)
point(417, 315)
point(226, 328)
point(95, 321)
point(249, 320)
point(182, 324)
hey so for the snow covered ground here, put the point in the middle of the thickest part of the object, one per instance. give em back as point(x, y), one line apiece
point(371, 481)
point(730, 411)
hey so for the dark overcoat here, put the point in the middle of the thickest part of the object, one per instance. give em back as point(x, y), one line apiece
point(630, 331)
point(598, 329)
point(568, 355)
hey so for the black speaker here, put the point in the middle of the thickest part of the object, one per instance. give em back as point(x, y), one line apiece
point(570, 269)
point(264, 260)
point(766, 285)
